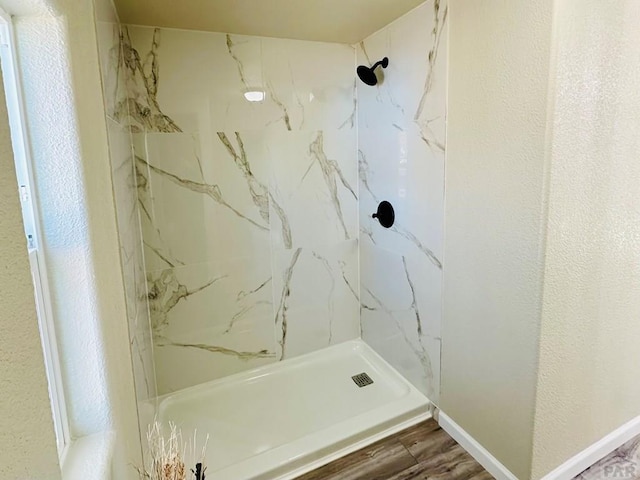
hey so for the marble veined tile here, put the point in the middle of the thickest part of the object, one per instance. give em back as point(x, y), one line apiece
point(138, 107)
point(398, 167)
point(315, 298)
point(417, 361)
point(417, 285)
point(401, 142)
point(400, 318)
point(314, 181)
point(414, 85)
point(110, 56)
point(132, 260)
point(312, 83)
point(211, 320)
point(204, 197)
point(402, 132)
point(109, 50)
point(307, 85)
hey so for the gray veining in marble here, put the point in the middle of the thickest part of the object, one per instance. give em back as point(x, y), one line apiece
point(244, 309)
point(414, 344)
point(165, 291)
point(350, 122)
point(400, 230)
point(238, 316)
point(230, 49)
point(163, 256)
point(414, 303)
point(259, 192)
point(325, 264)
point(281, 313)
point(331, 170)
point(140, 108)
point(349, 285)
point(420, 118)
point(286, 118)
point(211, 190)
point(242, 294)
point(164, 342)
point(364, 173)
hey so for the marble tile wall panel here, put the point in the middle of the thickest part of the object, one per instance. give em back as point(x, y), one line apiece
point(314, 179)
point(132, 259)
point(249, 210)
point(401, 128)
point(128, 220)
point(194, 82)
point(196, 209)
point(211, 320)
point(315, 297)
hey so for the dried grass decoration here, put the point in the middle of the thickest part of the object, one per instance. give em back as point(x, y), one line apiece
point(170, 457)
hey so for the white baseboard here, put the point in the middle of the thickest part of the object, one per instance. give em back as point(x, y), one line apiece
point(567, 471)
point(603, 447)
point(477, 451)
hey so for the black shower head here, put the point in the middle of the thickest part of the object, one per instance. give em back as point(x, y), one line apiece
point(368, 74)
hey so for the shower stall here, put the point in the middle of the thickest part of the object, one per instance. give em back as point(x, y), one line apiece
point(267, 307)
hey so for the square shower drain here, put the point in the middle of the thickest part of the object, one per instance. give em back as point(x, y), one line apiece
point(362, 380)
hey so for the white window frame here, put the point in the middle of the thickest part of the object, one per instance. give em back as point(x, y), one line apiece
point(31, 218)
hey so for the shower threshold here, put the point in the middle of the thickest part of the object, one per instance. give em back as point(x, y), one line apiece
point(282, 420)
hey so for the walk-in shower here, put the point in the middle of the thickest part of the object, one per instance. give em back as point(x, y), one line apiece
point(259, 286)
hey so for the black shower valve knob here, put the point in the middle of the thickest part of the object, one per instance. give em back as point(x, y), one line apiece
point(385, 214)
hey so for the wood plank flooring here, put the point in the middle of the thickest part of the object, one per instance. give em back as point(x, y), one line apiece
point(422, 452)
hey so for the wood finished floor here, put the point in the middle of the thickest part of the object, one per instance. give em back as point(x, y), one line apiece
point(422, 452)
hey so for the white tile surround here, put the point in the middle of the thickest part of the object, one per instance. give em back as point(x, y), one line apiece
point(131, 253)
point(401, 142)
point(245, 227)
point(249, 210)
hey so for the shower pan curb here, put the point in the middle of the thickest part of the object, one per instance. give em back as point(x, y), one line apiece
point(285, 419)
point(357, 445)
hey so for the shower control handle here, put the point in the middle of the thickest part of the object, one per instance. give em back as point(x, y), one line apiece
point(385, 214)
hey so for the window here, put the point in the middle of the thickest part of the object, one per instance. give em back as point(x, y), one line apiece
point(31, 220)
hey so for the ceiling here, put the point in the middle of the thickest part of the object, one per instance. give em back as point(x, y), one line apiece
point(341, 21)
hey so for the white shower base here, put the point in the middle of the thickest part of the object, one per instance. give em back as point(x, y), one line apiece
point(284, 419)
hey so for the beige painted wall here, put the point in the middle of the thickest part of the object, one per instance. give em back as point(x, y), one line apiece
point(498, 76)
point(542, 240)
point(62, 86)
point(27, 440)
point(589, 379)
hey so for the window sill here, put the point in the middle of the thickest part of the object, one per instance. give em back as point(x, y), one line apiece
point(89, 457)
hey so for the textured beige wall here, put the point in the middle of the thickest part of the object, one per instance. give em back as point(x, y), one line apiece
point(589, 380)
point(27, 440)
point(498, 77)
point(62, 85)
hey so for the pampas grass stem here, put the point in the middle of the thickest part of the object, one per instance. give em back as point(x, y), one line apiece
point(167, 455)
